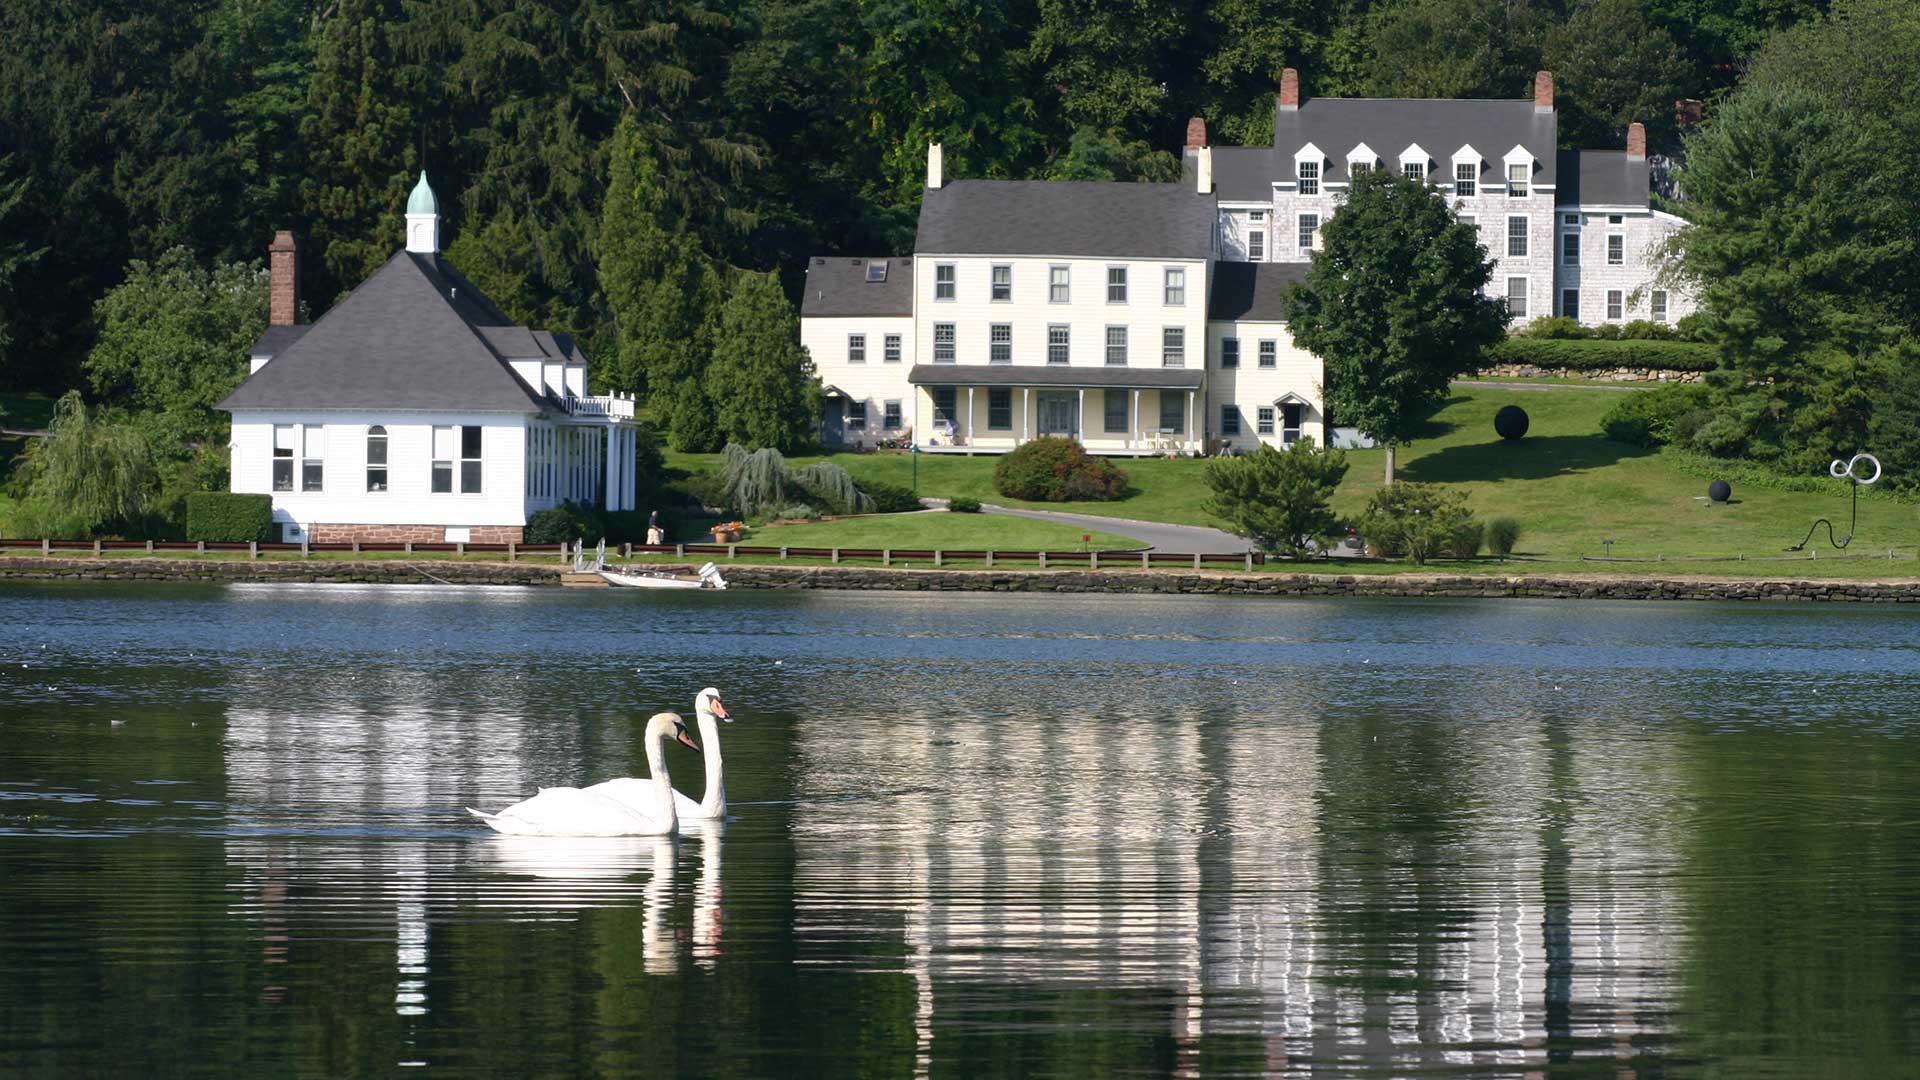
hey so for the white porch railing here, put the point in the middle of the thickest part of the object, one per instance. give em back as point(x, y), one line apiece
point(609, 406)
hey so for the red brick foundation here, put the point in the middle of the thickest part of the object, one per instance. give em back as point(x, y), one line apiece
point(419, 534)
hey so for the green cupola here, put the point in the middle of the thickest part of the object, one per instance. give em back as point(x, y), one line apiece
point(423, 218)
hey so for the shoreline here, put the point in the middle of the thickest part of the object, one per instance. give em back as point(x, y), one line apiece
point(867, 578)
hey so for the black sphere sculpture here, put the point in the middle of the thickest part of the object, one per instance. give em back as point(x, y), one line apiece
point(1719, 491)
point(1510, 422)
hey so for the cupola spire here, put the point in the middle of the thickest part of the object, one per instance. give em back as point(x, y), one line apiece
point(423, 218)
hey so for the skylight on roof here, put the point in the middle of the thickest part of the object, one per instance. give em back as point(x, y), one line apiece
point(876, 271)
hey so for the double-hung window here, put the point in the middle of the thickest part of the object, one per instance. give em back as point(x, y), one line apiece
point(1517, 181)
point(1115, 410)
point(1616, 249)
point(999, 408)
point(446, 451)
point(945, 404)
point(1415, 171)
point(1117, 346)
point(1516, 298)
point(1570, 303)
point(1229, 420)
point(943, 281)
point(1000, 343)
point(1057, 343)
point(1616, 305)
point(1269, 352)
point(892, 353)
point(856, 416)
point(1116, 284)
point(1309, 178)
point(1229, 352)
point(376, 458)
point(1309, 224)
point(1173, 346)
point(1059, 284)
point(943, 343)
point(1173, 412)
point(856, 348)
point(1176, 286)
point(1002, 282)
point(1570, 248)
point(1659, 305)
point(890, 415)
point(1263, 417)
point(283, 445)
point(1466, 179)
point(313, 456)
point(1517, 236)
point(1257, 246)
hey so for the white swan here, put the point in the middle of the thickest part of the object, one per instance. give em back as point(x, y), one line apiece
point(566, 811)
point(643, 797)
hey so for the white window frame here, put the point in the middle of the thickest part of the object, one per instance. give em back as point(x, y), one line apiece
point(1269, 352)
point(378, 432)
point(1307, 174)
point(1616, 305)
point(1174, 286)
point(1518, 187)
point(890, 352)
point(1616, 249)
point(287, 454)
point(1263, 420)
point(1414, 170)
point(1520, 294)
point(946, 282)
point(1060, 338)
point(1466, 179)
point(951, 346)
point(1303, 232)
point(1120, 284)
point(1570, 247)
point(1059, 284)
point(1000, 343)
point(1000, 289)
point(1520, 240)
point(856, 348)
point(1658, 300)
point(1173, 346)
point(1120, 345)
point(1256, 245)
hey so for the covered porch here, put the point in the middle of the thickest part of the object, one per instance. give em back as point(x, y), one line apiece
point(1122, 412)
point(587, 452)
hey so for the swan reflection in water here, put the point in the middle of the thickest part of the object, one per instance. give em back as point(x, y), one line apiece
point(583, 872)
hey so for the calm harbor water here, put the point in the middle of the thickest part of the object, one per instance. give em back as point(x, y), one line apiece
point(973, 835)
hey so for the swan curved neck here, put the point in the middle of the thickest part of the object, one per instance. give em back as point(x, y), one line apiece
point(713, 801)
point(662, 780)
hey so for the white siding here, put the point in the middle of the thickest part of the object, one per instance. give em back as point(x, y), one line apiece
point(875, 381)
point(408, 499)
point(1250, 387)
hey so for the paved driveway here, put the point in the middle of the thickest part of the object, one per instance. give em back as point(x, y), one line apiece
point(1159, 536)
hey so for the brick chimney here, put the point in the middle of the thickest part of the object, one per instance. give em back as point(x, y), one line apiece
point(1196, 133)
point(1543, 91)
point(283, 271)
point(1289, 90)
point(1636, 141)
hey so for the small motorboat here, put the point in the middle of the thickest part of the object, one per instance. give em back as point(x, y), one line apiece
point(708, 578)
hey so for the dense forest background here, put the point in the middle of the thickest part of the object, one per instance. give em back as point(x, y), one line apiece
point(603, 161)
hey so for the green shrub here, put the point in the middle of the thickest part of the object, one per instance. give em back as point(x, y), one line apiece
point(229, 517)
point(564, 524)
point(1653, 418)
point(1055, 469)
point(1418, 521)
point(1278, 498)
point(1502, 534)
point(963, 505)
point(705, 488)
point(1554, 327)
point(1687, 327)
point(1645, 330)
point(1465, 540)
point(1602, 355)
point(891, 498)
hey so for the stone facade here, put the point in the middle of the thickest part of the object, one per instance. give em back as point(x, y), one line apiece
point(419, 534)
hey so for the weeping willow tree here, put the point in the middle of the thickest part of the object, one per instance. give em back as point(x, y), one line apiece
point(760, 483)
point(89, 475)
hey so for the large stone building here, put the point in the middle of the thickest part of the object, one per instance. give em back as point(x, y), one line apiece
point(1147, 318)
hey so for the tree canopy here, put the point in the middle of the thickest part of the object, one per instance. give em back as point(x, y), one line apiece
point(1393, 306)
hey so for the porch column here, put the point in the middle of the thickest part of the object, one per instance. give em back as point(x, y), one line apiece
point(612, 499)
point(1026, 403)
point(914, 439)
point(1193, 431)
point(973, 413)
point(1133, 429)
point(1079, 425)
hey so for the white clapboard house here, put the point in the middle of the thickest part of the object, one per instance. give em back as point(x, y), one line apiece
point(414, 409)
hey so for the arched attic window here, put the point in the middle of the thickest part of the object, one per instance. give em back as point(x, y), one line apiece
point(376, 458)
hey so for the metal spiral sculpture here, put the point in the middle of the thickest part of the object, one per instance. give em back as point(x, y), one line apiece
point(1843, 470)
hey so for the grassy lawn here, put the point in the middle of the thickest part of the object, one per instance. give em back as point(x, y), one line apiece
point(937, 529)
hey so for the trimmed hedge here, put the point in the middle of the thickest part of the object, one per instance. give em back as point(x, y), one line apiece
point(564, 524)
point(1604, 355)
point(227, 517)
point(1053, 469)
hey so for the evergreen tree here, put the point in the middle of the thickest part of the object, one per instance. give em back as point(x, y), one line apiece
point(1393, 306)
point(1456, 48)
point(761, 383)
point(1612, 67)
point(1278, 498)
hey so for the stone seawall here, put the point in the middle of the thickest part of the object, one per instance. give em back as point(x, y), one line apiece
point(760, 576)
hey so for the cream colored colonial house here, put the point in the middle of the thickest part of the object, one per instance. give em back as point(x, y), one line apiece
point(1149, 318)
point(414, 409)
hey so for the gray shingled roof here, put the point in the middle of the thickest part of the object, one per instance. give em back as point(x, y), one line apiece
point(838, 286)
point(277, 338)
point(1062, 375)
point(1602, 178)
point(1247, 173)
point(1390, 125)
point(1091, 218)
point(1254, 292)
point(410, 337)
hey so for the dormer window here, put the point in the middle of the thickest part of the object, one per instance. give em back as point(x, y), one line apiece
point(1415, 170)
point(1309, 178)
point(876, 271)
point(1517, 178)
point(1359, 168)
point(1466, 179)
